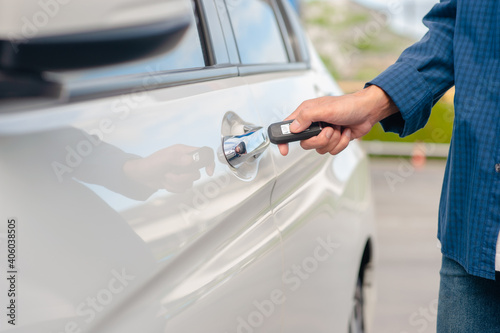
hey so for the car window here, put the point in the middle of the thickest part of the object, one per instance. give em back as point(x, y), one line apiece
point(186, 55)
point(257, 32)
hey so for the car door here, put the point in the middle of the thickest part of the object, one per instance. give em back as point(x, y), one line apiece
point(321, 204)
point(130, 217)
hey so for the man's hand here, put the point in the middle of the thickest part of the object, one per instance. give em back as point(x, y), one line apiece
point(353, 116)
point(174, 168)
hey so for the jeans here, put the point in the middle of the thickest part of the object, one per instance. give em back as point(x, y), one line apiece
point(467, 304)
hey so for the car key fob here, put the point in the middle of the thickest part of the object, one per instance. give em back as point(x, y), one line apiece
point(280, 132)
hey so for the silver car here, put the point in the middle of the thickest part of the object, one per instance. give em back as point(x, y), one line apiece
point(139, 189)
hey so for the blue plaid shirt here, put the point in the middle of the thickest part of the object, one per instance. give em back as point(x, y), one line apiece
point(461, 48)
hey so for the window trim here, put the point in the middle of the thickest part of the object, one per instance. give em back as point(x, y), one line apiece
point(229, 66)
point(230, 30)
point(301, 62)
point(216, 34)
point(211, 33)
point(215, 50)
point(245, 70)
point(227, 30)
point(284, 31)
point(84, 90)
point(295, 32)
point(203, 33)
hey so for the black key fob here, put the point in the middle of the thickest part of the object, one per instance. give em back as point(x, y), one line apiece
point(280, 132)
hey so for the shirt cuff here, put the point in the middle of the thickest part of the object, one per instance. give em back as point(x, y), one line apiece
point(411, 94)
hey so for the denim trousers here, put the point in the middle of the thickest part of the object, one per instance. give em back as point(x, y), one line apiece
point(467, 304)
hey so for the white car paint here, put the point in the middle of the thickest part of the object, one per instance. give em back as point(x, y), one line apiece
point(280, 252)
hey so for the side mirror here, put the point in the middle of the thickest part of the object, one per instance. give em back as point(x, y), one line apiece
point(98, 48)
point(133, 29)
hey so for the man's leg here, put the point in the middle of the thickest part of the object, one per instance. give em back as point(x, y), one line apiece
point(467, 304)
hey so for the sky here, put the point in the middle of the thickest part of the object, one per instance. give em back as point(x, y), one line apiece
point(409, 21)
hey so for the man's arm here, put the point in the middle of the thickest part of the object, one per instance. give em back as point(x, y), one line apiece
point(401, 97)
point(423, 72)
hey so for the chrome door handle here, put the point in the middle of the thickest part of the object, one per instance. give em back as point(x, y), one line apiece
point(242, 145)
point(247, 147)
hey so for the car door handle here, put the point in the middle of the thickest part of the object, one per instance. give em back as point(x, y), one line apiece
point(247, 147)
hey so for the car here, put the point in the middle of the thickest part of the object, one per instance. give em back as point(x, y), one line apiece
point(140, 192)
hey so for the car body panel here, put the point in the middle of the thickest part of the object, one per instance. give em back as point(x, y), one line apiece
point(195, 240)
point(321, 208)
point(100, 250)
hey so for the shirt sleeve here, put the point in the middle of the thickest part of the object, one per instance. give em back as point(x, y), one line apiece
point(423, 72)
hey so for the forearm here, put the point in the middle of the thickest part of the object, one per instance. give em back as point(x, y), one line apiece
point(375, 103)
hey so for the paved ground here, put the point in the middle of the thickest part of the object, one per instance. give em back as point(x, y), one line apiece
point(408, 260)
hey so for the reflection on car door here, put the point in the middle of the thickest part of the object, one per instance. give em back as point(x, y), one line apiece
point(107, 252)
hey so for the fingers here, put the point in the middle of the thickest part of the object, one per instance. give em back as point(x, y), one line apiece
point(283, 149)
point(334, 110)
point(330, 140)
point(301, 122)
point(324, 142)
point(343, 143)
point(302, 116)
point(209, 169)
point(178, 183)
point(333, 141)
point(185, 159)
point(312, 110)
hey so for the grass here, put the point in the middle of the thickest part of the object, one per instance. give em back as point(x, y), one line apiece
point(437, 130)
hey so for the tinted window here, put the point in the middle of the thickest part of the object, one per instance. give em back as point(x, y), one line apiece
point(187, 54)
point(257, 32)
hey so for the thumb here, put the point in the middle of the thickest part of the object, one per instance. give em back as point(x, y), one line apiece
point(300, 124)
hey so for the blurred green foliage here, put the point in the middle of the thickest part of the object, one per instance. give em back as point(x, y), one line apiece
point(437, 130)
point(354, 34)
